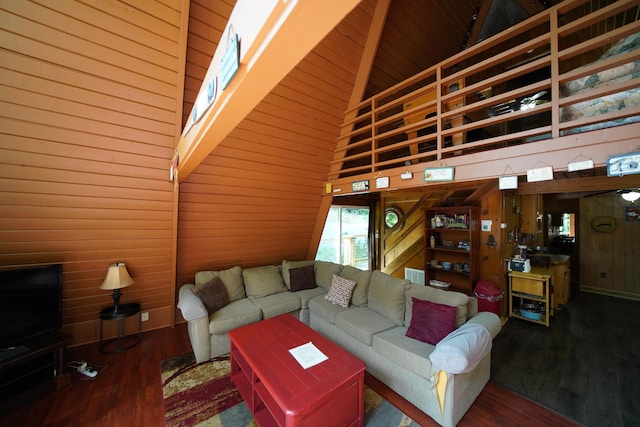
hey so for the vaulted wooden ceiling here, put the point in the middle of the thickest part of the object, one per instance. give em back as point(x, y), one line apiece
point(257, 197)
point(417, 34)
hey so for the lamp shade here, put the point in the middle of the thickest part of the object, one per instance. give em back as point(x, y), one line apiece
point(117, 277)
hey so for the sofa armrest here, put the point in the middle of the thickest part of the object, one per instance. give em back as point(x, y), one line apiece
point(462, 350)
point(197, 317)
point(489, 320)
point(190, 305)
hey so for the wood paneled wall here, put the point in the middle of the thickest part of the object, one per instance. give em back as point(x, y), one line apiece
point(90, 109)
point(255, 199)
point(403, 246)
point(609, 261)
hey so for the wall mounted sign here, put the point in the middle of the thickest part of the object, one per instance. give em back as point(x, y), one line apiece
point(624, 164)
point(230, 61)
point(508, 182)
point(204, 100)
point(382, 182)
point(360, 185)
point(540, 174)
point(438, 174)
point(580, 166)
point(406, 175)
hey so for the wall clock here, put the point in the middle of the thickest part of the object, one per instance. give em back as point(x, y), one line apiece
point(604, 224)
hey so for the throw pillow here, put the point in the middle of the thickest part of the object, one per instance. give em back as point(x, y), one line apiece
point(231, 277)
point(430, 322)
point(302, 278)
point(440, 296)
point(340, 291)
point(213, 294)
point(289, 265)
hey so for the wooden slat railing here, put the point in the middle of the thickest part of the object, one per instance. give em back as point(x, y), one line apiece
point(474, 100)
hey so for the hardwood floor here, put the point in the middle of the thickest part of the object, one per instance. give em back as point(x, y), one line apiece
point(585, 365)
point(127, 392)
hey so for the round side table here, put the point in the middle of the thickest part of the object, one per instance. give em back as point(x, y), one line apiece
point(124, 311)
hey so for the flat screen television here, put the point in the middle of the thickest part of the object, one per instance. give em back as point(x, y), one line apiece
point(30, 303)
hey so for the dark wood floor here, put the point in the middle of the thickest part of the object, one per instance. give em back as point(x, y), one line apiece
point(127, 392)
point(586, 365)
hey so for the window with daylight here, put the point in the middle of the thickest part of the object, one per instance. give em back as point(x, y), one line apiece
point(345, 237)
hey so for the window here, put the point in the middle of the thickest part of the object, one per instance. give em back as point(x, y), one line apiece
point(568, 227)
point(345, 237)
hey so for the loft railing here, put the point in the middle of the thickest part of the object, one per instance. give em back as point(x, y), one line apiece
point(517, 87)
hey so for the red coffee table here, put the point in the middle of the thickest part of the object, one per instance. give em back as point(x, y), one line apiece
point(279, 392)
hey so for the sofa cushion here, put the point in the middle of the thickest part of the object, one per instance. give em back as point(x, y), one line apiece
point(234, 315)
point(462, 349)
point(302, 278)
point(362, 323)
point(306, 295)
point(325, 309)
point(275, 304)
point(430, 322)
point(362, 279)
point(262, 281)
point(325, 271)
point(288, 265)
point(427, 293)
point(213, 294)
point(386, 296)
point(404, 351)
point(232, 279)
point(340, 291)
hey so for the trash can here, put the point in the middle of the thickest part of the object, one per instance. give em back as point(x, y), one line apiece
point(489, 296)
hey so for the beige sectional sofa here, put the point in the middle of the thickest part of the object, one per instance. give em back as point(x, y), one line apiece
point(254, 294)
point(442, 380)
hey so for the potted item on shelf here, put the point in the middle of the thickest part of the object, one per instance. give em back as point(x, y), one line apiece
point(464, 244)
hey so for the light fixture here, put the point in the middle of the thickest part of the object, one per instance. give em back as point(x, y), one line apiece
point(630, 195)
point(116, 279)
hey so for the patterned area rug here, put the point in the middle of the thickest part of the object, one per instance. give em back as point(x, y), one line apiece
point(204, 395)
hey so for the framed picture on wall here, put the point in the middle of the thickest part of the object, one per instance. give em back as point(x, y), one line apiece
point(632, 214)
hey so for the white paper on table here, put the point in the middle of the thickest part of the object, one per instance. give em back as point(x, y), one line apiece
point(308, 355)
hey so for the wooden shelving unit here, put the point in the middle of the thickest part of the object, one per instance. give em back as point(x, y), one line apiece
point(455, 231)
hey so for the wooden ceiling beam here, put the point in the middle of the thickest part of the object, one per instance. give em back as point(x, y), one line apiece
point(579, 185)
point(274, 38)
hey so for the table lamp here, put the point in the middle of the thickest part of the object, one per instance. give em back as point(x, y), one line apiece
point(117, 278)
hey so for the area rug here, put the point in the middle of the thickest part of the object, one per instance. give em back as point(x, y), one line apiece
point(202, 394)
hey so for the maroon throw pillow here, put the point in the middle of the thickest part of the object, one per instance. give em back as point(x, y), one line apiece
point(213, 294)
point(430, 322)
point(302, 278)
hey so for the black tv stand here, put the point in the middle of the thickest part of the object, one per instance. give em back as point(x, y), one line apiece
point(31, 369)
point(7, 354)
